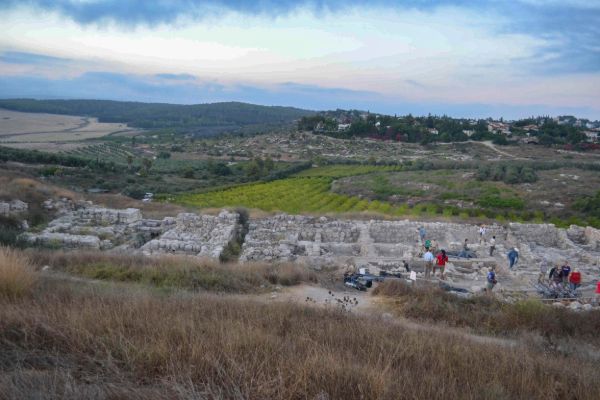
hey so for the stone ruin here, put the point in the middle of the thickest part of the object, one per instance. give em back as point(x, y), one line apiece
point(13, 207)
point(383, 245)
point(319, 241)
point(84, 226)
point(197, 235)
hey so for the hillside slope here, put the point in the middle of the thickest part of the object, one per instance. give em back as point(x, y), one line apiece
point(159, 115)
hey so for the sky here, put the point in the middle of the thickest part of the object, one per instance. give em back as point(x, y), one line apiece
point(496, 58)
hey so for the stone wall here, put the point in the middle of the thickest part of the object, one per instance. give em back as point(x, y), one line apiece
point(198, 235)
point(64, 240)
point(103, 228)
point(108, 216)
point(384, 244)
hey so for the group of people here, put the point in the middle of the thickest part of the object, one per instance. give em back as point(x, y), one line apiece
point(432, 262)
point(560, 276)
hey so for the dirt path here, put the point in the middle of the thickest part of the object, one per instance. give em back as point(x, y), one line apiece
point(351, 301)
point(364, 304)
point(490, 145)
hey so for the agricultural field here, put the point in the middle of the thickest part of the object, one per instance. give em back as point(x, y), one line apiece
point(295, 196)
point(340, 171)
point(394, 193)
point(299, 146)
point(553, 194)
point(19, 127)
point(106, 151)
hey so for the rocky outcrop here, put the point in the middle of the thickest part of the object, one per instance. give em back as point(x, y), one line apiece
point(592, 237)
point(13, 207)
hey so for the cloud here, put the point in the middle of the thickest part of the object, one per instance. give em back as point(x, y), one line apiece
point(176, 77)
point(156, 12)
point(19, 57)
point(569, 27)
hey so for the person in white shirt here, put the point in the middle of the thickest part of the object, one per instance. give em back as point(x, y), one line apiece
point(428, 258)
point(482, 231)
point(492, 245)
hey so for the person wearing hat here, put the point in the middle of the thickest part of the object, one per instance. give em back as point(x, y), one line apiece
point(513, 257)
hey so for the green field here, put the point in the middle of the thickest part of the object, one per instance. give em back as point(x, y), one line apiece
point(298, 195)
point(310, 192)
point(340, 171)
point(292, 195)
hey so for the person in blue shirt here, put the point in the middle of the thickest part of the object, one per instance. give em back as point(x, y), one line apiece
point(491, 279)
point(513, 257)
point(422, 234)
point(565, 271)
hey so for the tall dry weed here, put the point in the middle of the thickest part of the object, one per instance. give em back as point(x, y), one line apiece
point(218, 347)
point(17, 276)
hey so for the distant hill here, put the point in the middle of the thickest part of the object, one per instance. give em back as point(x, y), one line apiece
point(189, 118)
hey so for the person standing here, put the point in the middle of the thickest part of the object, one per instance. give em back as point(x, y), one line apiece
point(492, 245)
point(491, 280)
point(422, 234)
point(465, 250)
point(440, 261)
point(405, 265)
point(482, 230)
point(513, 257)
point(575, 279)
point(428, 245)
point(428, 258)
point(565, 271)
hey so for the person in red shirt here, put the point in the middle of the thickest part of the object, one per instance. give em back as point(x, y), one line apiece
point(440, 262)
point(575, 279)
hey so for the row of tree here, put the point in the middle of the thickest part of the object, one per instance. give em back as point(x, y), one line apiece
point(437, 129)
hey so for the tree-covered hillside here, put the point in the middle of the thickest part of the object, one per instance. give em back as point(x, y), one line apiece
point(230, 115)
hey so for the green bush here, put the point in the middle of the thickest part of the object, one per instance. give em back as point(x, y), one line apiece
point(501, 202)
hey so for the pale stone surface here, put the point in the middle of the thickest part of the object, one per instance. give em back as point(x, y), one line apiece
point(199, 235)
point(327, 242)
point(13, 207)
point(382, 245)
point(63, 240)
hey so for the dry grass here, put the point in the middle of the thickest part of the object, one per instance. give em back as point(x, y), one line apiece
point(17, 276)
point(102, 343)
point(150, 210)
point(485, 314)
point(175, 271)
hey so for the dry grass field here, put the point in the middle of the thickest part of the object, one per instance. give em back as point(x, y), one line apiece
point(19, 127)
point(70, 339)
